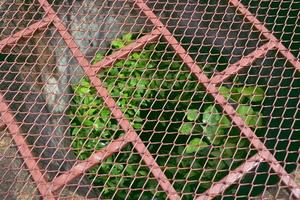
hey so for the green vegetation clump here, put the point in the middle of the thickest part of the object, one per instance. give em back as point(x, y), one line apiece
point(166, 105)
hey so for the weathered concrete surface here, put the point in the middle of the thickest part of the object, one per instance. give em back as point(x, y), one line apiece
point(280, 192)
point(15, 180)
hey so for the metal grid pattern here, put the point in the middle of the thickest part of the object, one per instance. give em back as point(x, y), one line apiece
point(32, 39)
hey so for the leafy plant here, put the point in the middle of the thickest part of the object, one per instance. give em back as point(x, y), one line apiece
point(203, 129)
point(94, 126)
point(195, 145)
point(216, 124)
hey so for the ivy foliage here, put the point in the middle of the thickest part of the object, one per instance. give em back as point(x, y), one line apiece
point(153, 80)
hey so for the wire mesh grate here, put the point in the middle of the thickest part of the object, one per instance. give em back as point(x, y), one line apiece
point(149, 99)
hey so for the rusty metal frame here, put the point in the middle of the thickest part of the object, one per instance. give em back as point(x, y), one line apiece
point(47, 189)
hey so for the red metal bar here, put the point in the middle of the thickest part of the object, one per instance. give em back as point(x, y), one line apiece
point(245, 61)
point(30, 30)
point(266, 33)
point(2, 125)
point(93, 160)
point(155, 169)
point(109, 101)
point(235, 175)
point(14, 130)
point(211, 88)
point(125, 51)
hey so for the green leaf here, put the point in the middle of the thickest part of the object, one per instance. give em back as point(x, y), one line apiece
point(216, 152)
point(117, 43)
point(243, 143)
point(225, 91)
point(127, 37)
point(117, 169)
point(225, 122)
point(195, 145)
point(254, 94)
point(192, 114)
point(88, 122)
point(186, 129)
point(229, 93)
point(175, 65)
point(205, 185)
point(230, 143)
point(85, 83)
point(133, 82)
point(136, 56)
point(98, 58)
point(91, 111)
point(130, 170)
point(211, 115)
point(138, 119)
point(105, 113)
point(75, 131)
point(192, 174)
point(245, 113)
point(83, 90)
point(208, 175)
point(137, 126)
point(258, 95)
point(106, 134)
point(215, 123)
point(219, 138)
point(143, 173)
point(259, 121)
point(99, 124)
point(211, 131)
point(250, 117)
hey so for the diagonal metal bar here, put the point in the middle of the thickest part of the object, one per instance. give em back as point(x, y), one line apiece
point(30, 30)
point(244, 62)
point(14, 130)
point(212, 89)
point(111, 104)
point(96, 158)
point(108, 61)
point(266, 33)
point(235, 175)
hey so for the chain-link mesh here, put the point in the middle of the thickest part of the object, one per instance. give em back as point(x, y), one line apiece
point(149, 99)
